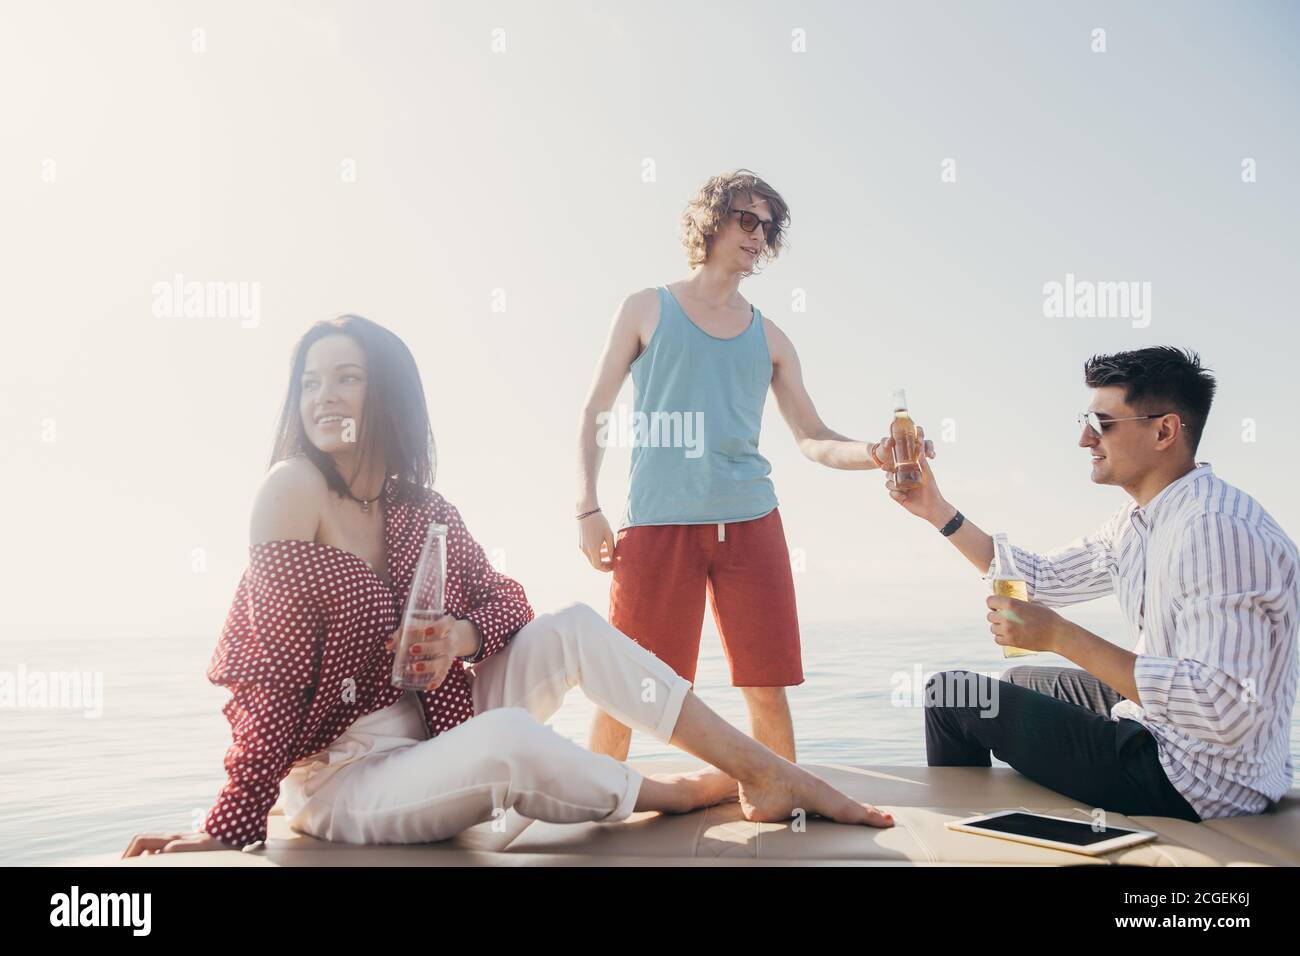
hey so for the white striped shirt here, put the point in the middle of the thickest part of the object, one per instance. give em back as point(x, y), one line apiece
point(1208, 583)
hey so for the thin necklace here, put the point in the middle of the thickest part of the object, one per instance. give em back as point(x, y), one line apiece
point(367, 502)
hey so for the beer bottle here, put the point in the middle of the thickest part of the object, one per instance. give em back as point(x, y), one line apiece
point(907, 447)
point(1008, 582)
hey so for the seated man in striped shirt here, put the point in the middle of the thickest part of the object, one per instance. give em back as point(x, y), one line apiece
point(1195, 721)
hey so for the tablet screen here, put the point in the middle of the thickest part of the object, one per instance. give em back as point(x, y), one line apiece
point(1062, 831)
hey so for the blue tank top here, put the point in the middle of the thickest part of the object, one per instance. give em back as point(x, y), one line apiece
point(697, 408)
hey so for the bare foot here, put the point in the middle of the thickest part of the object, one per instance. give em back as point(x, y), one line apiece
point(774, 798)
point(697, 788)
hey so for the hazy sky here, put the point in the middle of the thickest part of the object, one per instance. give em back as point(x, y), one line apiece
point(490, 179)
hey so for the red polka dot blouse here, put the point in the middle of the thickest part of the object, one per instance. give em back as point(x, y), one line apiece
point(302, 649)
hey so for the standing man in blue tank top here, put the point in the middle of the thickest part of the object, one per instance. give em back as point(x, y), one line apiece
point(702, 514)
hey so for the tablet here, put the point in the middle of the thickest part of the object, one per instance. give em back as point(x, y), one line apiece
point(1057, 833)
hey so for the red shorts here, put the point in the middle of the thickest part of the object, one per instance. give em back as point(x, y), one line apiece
point(661, 573)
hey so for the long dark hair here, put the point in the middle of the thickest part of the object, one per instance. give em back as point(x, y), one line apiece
point(395, 419)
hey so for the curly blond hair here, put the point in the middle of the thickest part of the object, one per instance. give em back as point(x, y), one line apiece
point(705, 214)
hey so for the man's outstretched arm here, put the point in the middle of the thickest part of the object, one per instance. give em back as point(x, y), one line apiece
point(1079, 571)
point(817, 442)
point(928, 504)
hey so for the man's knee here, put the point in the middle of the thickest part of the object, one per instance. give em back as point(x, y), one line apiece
point(765, 698)
point(958, 693)
point(1041, 680)
point(941, 690)
point(1020, 676)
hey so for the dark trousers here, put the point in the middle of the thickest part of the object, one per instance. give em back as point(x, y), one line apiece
point(1053, 725)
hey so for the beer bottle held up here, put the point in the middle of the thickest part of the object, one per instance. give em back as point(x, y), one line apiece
point(1008, 582)
point(907, 447)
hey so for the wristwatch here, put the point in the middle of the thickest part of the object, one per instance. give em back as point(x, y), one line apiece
point(951, 527)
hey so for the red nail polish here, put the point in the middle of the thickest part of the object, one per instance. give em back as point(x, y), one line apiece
point(419, 667)
point(428, 631)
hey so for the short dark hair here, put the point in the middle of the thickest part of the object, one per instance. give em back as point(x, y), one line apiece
point(1160, 379)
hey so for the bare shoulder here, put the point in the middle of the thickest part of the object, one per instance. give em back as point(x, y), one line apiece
point(633, 324)
point(289, 503)
point(643, 300)
point(639, 312)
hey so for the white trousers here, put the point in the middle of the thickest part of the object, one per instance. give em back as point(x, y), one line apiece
point(384, 781)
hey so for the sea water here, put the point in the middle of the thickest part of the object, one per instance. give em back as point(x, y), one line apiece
point(139, 748)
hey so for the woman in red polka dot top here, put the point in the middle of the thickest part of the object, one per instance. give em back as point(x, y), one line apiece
point(307, 652)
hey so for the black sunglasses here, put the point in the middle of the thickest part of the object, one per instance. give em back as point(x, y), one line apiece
point(1097, 424)
point(749, 220)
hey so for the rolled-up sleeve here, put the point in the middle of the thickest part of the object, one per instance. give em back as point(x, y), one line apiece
point(266, 657)
point(264, 725)
point(1079, 571)
point(1227, 587)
